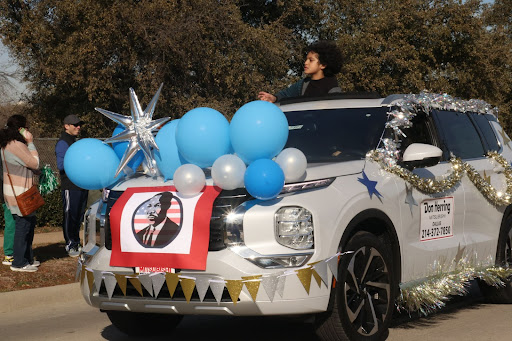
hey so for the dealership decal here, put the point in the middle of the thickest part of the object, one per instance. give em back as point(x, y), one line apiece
point(436, 218)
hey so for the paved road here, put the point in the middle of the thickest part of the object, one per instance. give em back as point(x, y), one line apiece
point(74, 320)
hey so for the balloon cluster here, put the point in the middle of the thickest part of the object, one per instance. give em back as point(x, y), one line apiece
point(246, 152)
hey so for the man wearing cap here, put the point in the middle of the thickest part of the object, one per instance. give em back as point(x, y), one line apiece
point(74, 198)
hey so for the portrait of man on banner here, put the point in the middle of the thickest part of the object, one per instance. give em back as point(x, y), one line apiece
point(160, 230)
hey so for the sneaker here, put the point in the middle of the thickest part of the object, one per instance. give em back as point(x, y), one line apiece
point(26, 268)
point(8, 260)
point(73, 252)
point(36, 263)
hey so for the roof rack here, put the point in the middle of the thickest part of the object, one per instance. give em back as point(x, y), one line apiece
point(337, 95)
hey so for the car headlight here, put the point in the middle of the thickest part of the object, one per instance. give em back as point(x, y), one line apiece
point(294, 227)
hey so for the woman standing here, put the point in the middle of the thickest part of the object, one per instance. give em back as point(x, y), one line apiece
point(19, 160)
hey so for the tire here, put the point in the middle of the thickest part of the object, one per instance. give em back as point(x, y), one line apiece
point(143, 324)
point(503, 258)
point(362, 300)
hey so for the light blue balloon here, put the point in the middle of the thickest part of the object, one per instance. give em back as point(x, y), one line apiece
point(167, 158)
point(264, 179)
point(258, 130)
point(203, 136)
point(91, 164)
point(120, 148)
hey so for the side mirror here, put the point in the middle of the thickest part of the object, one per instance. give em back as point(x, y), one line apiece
point(421, 155)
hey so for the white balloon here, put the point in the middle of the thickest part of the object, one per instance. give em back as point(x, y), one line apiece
point(228, 172)
point(189, 179)
point(293, 163)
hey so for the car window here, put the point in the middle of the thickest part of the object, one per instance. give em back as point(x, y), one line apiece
point(482, 121)
point(419, 132)
point(334, 135)
point(459, 135)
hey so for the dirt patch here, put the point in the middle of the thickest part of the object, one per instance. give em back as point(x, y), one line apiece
point(56, 268)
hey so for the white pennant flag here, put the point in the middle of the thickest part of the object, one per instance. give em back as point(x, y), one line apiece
point(270, 285)
point(146, 283)
point(98, 275)
point(281, 280)
point(78, 270)
point(158, 280)
point(333, 266)
point(321, 270)
point(110, 284)
point(202, 284)
point(217, 287)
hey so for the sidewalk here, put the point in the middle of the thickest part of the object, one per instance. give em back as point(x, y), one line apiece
point(29, 298)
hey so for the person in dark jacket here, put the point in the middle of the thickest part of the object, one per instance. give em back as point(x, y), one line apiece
point(323, 62)
point(74, 198)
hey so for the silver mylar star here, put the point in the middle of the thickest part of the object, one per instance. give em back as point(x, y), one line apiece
point(409, 199)
point(139, 130)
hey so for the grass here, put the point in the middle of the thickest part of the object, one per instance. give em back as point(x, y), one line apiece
point(56, 267)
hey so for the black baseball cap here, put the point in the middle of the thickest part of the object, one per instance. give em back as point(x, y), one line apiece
point(73, 119)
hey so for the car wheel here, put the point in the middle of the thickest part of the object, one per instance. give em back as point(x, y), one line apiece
point(503, 258)
point(143, 324)
point(362, 299)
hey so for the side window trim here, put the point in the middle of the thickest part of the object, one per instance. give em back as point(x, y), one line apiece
point(485, 143)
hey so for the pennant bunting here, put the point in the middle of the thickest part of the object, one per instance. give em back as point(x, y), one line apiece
point(217, 287)
point(188, 285)
point(98, 278)
point(270, 285)
point(90, 281)
point(146, 283)
point(252, 283)
point(82, 273)
point(333, 266)
point(78, 270)
point(320, 269)
point(280, 284)
point(121, 280)
point(110, 284)
point(202, 284)
point(136, 284)
point(305, 277)
point(234, 288)
point(158, 280)
point(172, 281)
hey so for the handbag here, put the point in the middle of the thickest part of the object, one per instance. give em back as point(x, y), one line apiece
point(28, 201)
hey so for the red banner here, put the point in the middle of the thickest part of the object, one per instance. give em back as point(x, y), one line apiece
point(156, 227)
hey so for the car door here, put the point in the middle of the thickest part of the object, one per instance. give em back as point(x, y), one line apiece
point(433, 224)
point(470, 137)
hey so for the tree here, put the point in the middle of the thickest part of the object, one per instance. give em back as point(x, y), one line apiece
point(78, 55)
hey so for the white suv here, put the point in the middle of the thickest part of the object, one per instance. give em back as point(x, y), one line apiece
point(396, 190)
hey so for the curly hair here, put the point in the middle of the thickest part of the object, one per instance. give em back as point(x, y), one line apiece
point(329, 55)
point(11, 130)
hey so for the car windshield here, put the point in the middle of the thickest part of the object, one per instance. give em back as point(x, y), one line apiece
point(335, 135)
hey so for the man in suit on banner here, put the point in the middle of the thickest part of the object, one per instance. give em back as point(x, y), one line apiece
point(161, 231)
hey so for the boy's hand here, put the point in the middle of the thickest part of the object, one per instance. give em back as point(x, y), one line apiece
point(28, 136)
point(265, 96)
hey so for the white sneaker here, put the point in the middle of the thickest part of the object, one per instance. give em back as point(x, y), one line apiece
point(26, 268)
point(36, 263)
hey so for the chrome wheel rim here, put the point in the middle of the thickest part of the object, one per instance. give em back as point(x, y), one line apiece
point(367, 291)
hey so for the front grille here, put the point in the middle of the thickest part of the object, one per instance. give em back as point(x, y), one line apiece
point(164, 295)
point(223, 204)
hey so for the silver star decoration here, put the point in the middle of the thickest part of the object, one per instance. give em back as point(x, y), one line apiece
point(504, 137)
point(139, 131)
point(409, 199)
point(459, 255)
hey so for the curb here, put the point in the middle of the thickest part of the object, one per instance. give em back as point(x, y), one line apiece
point(29, 298)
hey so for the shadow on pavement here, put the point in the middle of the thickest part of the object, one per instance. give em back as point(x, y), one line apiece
point(50, 251)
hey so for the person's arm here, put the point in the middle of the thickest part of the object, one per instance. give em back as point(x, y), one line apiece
point(26, 153)
point(60, 150)
point(293, 90)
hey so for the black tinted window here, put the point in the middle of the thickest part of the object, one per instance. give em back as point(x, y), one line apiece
point(488, 133)
point(334, 135)
point(459, 135)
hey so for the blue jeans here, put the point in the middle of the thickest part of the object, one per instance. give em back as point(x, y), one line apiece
point(23, 238)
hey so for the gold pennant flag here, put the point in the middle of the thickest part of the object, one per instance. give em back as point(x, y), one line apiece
point(234, 288)
point(82, 274)
point(252, 286)
point(136, 283)
point(188, 286)
point(316, 276)
point(121, 281)
point(305, 277)
point(90, 280)
point(172, 281)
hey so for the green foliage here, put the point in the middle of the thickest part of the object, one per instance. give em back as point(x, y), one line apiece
point(51, 212)
point(78, 55)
